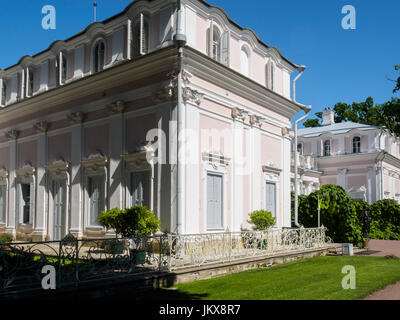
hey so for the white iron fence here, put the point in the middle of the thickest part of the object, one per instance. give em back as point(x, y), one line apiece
point(201, 249)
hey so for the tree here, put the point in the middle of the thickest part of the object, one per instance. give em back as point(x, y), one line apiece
point(383, 115)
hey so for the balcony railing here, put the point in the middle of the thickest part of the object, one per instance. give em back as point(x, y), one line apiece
point(305, 162)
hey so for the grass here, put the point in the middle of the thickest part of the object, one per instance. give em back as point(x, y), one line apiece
point(309, 279)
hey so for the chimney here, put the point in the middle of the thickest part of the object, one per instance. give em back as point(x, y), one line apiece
point(328, 117)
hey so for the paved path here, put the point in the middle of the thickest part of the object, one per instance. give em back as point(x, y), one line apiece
point(383, 248)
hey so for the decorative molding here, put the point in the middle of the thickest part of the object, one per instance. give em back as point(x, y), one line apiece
point(216, 160)
point(12, 134)
point(41, 126)
point(116, 107)
point(76, 117)
point(95, 162)
point(26, 172)
point(192, 95)
point(142, 157)
point(343, 171)
point(58, 167)
point(256, 120)
point(3, 175)
point(239, 114)
point(169, 92)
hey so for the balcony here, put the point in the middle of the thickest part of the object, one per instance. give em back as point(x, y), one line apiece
point(305, 162)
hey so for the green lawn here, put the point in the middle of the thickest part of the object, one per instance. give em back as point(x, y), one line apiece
point(309, 279)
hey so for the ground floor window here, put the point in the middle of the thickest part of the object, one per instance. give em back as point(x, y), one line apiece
point(26, 202)
point(270, 198)
point(59, 209)
point(214, 202)
point(96, 193)
point(140, 189)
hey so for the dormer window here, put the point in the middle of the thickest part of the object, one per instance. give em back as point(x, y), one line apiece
point(327, 148)
point(244, 61)
point(61, 69)
point(141, 37)
point(218, 45)
point(98, 56)
point(29, 82)
point(356, 145)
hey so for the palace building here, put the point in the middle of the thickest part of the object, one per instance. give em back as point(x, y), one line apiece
point(363, 159)
point(168, 104)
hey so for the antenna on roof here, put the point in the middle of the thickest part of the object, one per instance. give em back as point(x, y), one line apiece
point(94, 7)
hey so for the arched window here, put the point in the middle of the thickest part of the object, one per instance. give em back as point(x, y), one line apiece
point(327, 148)
point(244, 61)
point(356, 145)
point(300, 149)
point(216, 44)
point(98, 56)
point(29, 82)
point(140, 37)
point(61, 69)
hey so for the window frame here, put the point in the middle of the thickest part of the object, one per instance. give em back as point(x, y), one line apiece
point(354, 148)
point(4, 185)
point(324, 145)
point(94, 53)
point(138, 28)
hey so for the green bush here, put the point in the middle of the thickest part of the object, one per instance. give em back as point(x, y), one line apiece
point(338, 214)
point(385, 220)
point(132, 222)
point(262, 220)
point(6, 238)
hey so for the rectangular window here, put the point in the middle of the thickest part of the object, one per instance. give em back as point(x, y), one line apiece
point(214, 202)
point(140, 189)
point(3, 199)
point(270, 199)
point(26, 203)
point(96, 198)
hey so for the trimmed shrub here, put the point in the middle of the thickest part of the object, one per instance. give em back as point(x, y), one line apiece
point(132, 222)
point(261, 220)
point(385, 220)
point(338, 214)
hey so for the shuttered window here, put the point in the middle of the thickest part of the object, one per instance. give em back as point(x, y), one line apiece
point(214, 202)
point(96, 198)
point(140, 189)
point(270, 198)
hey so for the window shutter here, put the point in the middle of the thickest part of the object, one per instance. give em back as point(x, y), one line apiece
point(225, 47)
point(14, 89)
point(210, 39)
point(143, 36)
point(32, 202)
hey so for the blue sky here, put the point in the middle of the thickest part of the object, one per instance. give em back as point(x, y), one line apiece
point(342, 65)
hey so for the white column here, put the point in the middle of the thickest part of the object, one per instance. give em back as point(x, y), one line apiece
point(76, 182)
point(256, 168)
point(12, 194)
point(238, 165)
point(40, 231)
point(192, 170)
point(342, 178)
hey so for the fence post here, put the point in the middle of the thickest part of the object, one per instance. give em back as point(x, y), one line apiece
point(160, 262)
point(59, 264)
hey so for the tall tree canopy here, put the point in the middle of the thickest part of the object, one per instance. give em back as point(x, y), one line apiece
point(383, 115)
